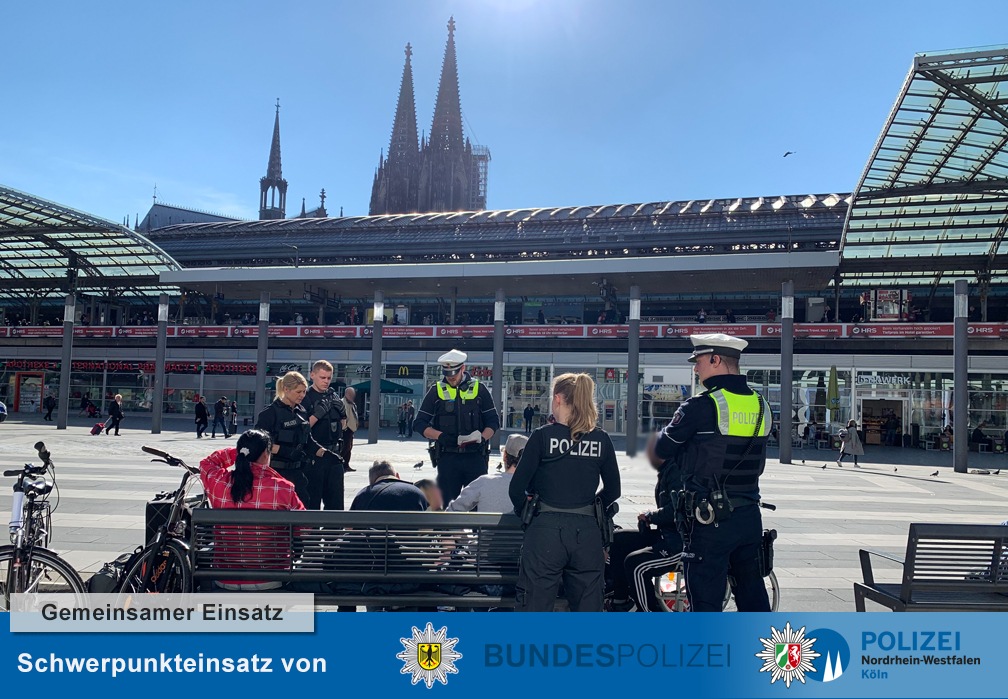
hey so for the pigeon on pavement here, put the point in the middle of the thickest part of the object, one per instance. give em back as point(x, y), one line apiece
point(934, 474)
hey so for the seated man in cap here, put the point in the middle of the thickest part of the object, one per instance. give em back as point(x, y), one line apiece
point(720, 437)
point(459, 416)
point(489, 493)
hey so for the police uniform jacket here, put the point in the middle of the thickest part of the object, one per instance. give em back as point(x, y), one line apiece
point(328, 410)
point(564, 473)
point(459, 411)
point(288, 426)
point(710, 433)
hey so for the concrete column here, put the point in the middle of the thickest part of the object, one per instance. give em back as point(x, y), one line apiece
point(159, 362)
point(64, 387)
point(836, 298)
point(261, 351)
point(376, 367)
point(633, 373)
point(960, 379)
point(787, 370)
point(498, 364)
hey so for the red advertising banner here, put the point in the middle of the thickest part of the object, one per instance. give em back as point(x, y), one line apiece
point(202, 331)
point(702, 328)
point(4, 331)
point(328, 331)
point(245, 331)
point(545, 331)
point(621, 331)
point(819, 330)
point(464, 331)
point(137, 331)
point(991, 330)
point(283, 331)
point(895, 330)
point(35, 331)
point(101, 331)
point(405, 331)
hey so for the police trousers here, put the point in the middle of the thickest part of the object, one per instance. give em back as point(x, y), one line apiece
point(456, 470)
point(325, 483)
point(732, 547)
point(561, 547)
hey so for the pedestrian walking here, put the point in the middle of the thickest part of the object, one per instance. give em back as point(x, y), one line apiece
point(850, 444)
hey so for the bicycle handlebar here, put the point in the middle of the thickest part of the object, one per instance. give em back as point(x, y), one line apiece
point(28, 469)
point(43, 453)
point(156, 452)
point(767, 506)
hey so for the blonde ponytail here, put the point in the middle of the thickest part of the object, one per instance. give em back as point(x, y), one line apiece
point(578, 393)
point(289, 381)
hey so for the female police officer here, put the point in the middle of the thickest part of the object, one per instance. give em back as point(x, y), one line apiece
point(294, 448)
point(562, 464)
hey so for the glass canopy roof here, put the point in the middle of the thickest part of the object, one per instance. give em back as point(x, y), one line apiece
point(932, 203)
point(45, 246)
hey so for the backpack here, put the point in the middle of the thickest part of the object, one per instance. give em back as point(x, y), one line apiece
point(110, 578)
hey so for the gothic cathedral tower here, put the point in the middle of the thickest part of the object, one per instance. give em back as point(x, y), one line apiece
point(273, 187)
point(395, 182)
point(448, 173)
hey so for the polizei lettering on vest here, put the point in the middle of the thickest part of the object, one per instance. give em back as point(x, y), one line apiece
point(744, 418)
point(583, 448)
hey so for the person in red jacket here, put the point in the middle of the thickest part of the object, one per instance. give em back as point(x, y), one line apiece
point(241, 478)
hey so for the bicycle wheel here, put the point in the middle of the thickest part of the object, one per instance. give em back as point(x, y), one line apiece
point(41, 572)
point(773, 594)
point(163, 571)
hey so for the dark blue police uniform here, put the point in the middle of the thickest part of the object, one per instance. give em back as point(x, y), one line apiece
point(721, 444)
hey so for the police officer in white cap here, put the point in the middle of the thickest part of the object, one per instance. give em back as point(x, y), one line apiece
point(719, 437)
point(458, 415)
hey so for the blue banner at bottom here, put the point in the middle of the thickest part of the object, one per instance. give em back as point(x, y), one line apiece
point(496, 655)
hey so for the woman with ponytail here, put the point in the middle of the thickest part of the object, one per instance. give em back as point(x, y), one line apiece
point(240, 477)
point(294, 449)
point(562, 467)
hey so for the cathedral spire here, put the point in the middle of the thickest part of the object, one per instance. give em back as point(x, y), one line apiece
point(273, 187)
point(446, 128)
point(395, 184)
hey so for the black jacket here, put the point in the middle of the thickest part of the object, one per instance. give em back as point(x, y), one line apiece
point(202, 414)
point(566, 474)
point(288, 426)
point(115, 410)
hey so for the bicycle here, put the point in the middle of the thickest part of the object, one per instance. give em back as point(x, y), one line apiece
point(670, 587)
point(27, 566)
point(164, 565)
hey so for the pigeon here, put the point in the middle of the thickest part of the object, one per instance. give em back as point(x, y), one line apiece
point(790, 152)
point(997, 472)
point(934, 475)
point(824, 467)
point(803, 460)
point(895, 470)
point(418, 465)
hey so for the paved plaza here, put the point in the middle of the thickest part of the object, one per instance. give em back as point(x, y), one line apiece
point(824, 515)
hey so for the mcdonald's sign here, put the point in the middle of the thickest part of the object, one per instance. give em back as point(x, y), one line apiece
point(404, 371)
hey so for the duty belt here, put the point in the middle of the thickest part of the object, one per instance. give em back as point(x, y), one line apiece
point(586, 510)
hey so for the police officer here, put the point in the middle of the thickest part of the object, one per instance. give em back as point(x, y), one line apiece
point(720, 436)
point(457, 414)
point(561, 466)
point(328, 420)
point(294, 448)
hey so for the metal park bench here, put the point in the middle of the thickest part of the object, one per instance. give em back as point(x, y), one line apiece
point(948, 568)
point(381, 559)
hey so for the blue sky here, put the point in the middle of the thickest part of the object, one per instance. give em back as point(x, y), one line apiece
point(579, 101)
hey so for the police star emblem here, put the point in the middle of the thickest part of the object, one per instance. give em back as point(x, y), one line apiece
point(787, 655)
point(429, 655)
